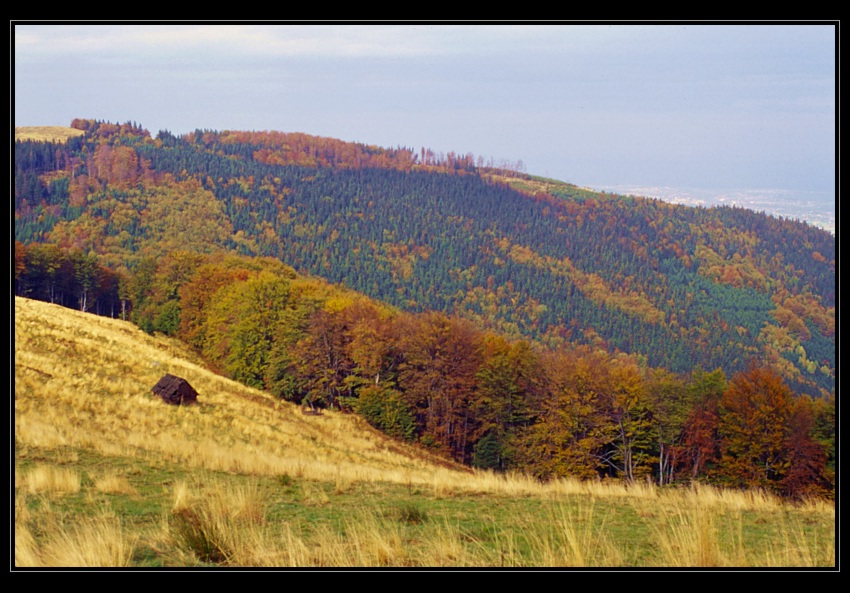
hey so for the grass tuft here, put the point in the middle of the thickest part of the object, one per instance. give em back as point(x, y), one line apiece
point(111, 482)
point(94, 542)
point(52, 480)
point(411, 514)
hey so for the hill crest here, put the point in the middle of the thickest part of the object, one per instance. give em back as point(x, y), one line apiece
point(46, 133)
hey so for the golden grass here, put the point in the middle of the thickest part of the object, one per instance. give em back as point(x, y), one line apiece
point(95, 542)
point(84, 381)
point(216, 522)
point(221, 523)
point(52, 480)
point(797, 549)
point(82, 384)
point(587, 544)
point(691, 539)
point(708, 496)
point(244, 502)
point(111, 482)
point(26, 550)
point(46, 133)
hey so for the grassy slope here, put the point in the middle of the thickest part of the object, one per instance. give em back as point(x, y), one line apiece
point(86, 381)
point(46, 133)
point(106, 475)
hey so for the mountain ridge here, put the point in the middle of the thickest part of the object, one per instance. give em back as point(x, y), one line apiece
point(425, 233)
point(459, 307)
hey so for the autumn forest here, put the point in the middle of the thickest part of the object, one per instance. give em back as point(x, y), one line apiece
point(507, 321)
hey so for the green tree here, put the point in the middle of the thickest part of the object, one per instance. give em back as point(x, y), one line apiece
point(671, 403)
point(385, 409)
point(507, 389)
point(241, 325)
point(633, 453)
point(43, 277)
point(489, 452)
point(85, 276)
point(140, 289)
point(823, 432)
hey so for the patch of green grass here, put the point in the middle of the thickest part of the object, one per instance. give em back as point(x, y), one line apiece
point(411, 513)
point(474, 529)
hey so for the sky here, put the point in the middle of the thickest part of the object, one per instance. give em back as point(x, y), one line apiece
point(691, 105)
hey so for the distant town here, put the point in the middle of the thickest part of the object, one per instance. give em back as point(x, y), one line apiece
point(815, 208)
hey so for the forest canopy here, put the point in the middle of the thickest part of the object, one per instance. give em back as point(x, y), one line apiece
point(505, 320)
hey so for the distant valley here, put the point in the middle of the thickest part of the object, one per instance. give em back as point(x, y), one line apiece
point(815, 208)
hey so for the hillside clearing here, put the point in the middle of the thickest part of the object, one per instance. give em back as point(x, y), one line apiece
point(46, 133)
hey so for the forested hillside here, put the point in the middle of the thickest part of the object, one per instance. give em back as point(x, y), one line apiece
point(675, 285)
point(513, 321)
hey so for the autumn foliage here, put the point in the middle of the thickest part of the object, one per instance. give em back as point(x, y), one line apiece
point(547, 355)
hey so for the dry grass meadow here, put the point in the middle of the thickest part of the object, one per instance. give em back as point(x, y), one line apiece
point(46, 133)
point(107, 475)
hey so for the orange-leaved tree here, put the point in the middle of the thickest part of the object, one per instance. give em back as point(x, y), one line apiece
point(754, 425)
point(699, 449)
point(441, 357)
point(807, 473)
point(573, 432)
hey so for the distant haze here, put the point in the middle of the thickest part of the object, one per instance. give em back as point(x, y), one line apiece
point(687, 105)
point(815, 208)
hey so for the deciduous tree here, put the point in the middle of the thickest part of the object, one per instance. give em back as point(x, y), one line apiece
point(437, 377)
point(241, 324)
point(754, 425)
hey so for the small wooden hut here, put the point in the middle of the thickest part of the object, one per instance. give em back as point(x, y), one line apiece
point(175, 390)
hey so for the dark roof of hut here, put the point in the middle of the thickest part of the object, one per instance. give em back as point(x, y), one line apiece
point(174, 389)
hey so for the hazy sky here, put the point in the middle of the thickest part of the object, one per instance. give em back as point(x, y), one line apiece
point(686, 105)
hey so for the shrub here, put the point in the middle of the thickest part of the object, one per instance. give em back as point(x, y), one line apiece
point(385, 409)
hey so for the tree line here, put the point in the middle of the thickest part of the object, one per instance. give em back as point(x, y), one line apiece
point(442, 382)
